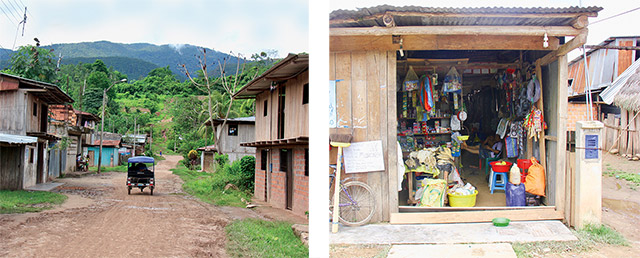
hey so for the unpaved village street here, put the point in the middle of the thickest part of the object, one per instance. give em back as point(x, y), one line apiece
point(100, 220)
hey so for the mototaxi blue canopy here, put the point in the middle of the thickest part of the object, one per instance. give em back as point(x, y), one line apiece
point(140, 159)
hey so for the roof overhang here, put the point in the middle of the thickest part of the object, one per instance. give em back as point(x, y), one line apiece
point(302, 140)
point(288, 68)
point(12, 139)
point(47, 92)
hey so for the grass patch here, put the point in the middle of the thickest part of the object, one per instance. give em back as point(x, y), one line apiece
point(209, 187)
point(26, 201)
point(589, 237)
point(259, 238)
point(632, 177)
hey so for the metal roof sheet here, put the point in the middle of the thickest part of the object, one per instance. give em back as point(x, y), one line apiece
point(289, 67)
point(17, 139)
point(444, 16)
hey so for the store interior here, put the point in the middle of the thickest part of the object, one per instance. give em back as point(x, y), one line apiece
point(457, 112)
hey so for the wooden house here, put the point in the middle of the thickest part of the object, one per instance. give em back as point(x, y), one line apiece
point(622, 133)
point(235, 131)
point(606, 62)
point(282, 133)
point(77, 127)
point(371, 50)
point(23, 123)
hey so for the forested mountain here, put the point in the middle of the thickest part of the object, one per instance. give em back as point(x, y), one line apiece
point(134, 60)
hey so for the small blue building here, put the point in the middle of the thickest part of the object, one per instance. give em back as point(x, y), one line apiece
point(110, 154)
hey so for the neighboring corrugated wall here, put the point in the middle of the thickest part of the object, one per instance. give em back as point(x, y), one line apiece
point(10, 170)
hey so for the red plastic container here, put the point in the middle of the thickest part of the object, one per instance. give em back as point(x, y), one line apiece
point(524, 163)
point(501, 168)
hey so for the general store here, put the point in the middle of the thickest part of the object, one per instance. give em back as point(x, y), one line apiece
point(441, 89)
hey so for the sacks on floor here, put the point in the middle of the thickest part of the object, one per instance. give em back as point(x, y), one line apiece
point(535, 182)
point(434, 192)
point(514, 174)
point(515, 195)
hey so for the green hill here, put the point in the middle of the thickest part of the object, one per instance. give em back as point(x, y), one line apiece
point(133, 59)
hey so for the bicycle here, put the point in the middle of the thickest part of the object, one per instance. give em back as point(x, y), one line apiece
point(357, 203)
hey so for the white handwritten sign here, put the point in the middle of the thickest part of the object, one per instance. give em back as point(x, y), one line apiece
point(364, 157)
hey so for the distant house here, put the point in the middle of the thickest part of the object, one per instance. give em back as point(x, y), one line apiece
point(137, 141)
point(23, 130)
point(208, 157)
point(110, 153)
point(282, 133)
point(75, 125)
point(235, 131)
point(605, 63)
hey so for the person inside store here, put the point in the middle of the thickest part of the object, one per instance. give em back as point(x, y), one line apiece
point(490, 147)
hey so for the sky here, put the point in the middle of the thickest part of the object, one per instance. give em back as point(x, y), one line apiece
point(241, 26)
point(624, 25)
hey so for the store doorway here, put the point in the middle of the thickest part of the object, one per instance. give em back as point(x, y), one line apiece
point(473, 103)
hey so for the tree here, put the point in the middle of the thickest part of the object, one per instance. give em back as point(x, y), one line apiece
point(33, 62)
point(229, 84)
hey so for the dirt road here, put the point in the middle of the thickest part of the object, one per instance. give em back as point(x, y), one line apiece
point(101, 220)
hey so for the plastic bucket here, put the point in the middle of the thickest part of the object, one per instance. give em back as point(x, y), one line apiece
point(501, 168)
point(462, 200)
point(524, 163)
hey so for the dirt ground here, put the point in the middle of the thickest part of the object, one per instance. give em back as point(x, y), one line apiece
point(100, 220)
point(620, 211)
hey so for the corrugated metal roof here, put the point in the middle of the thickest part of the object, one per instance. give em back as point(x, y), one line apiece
point(610, 93)
point(444, 16)
point(52, 95)
point(17, 139)
point(288, 68)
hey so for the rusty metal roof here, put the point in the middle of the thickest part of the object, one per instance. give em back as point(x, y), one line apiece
point(290, 67)
point(50, 94)
point(444, 16)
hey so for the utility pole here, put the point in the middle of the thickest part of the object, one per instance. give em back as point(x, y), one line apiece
point(135, 136)
point(104, 104)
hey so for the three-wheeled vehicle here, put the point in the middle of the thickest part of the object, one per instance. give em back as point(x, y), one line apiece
point(139, 175)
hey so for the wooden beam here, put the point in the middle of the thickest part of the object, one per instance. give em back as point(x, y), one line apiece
point(579, 40)
point(580, 22)
point(543, 213)
point(561, 138)
point(552, 31)
point(435, 42)
point(612, 47)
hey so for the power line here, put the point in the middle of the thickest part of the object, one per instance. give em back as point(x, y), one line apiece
point(7, 8)
point(24, 5)
point(5, 14)
point(14, 8)
point(625, 12)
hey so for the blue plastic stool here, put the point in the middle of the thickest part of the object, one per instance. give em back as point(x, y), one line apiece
point(499, 185)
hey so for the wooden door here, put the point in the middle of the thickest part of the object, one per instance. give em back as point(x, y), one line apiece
point(90, 162)
point(289, 180)
point(40, 164)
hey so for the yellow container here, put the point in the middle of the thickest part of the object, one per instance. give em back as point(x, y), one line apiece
point(462, 200)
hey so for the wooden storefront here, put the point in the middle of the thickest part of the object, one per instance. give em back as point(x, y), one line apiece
point(364, 61)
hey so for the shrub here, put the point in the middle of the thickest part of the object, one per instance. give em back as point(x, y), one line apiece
point(221, 159)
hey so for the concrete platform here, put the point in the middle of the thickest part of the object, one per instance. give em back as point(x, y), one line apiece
point(454, 251)
point(45, 187)
point(518, 231)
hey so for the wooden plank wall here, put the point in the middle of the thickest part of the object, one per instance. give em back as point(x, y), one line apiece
point(296, 114)
point(263, 122)
point(365, 96)
point(12, 112)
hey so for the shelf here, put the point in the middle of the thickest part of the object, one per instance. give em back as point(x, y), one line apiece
point(422, 134)
point(433, 118)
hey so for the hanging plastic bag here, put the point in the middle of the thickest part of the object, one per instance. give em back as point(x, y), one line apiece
point(434, 192)
point(452, 81)
point(514, 174)
point(535, 181)
point(533, 90)
point(411, 80)
point(502, 127)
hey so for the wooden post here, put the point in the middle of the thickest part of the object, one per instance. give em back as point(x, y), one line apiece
point(624, 117)
point(540, 105)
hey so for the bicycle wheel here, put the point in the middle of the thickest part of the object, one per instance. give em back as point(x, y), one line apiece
point(357, 203)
